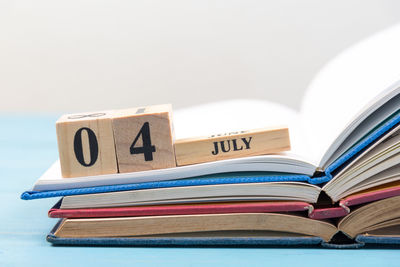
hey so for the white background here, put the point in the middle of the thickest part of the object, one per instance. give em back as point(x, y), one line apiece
point(81, 55)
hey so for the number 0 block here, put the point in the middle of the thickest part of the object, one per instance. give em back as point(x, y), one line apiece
point(86, 144)
point(144, 138)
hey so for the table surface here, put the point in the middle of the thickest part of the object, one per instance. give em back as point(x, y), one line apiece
point(28, 147)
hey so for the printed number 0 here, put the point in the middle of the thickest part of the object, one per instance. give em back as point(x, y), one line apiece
point(93, 147)
point(147, 149)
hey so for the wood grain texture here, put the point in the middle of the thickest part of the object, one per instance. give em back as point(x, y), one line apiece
point(75, 128)
point(130, 125)
point(231, 145)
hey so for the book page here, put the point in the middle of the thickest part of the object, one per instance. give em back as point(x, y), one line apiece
point(386, 144)
point(274, 164)
point(347, 88)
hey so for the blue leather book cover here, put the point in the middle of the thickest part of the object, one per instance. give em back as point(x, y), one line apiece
point(379, 131)
point(379, 240)
point(184, 242)
point(230, 178)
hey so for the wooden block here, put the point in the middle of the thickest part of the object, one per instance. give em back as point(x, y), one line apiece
point(144, 138)
point(86, 144)
point(231, 145)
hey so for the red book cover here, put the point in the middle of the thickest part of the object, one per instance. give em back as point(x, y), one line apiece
point(369, 195)
point(209, 208)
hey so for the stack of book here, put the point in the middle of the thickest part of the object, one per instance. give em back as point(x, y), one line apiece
point(349, 199)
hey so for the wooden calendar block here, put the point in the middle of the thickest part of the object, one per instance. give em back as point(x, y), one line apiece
point(86, 144)
point(231, 145)
point(144, 138)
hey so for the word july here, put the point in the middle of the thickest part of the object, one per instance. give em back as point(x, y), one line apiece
point(226, 148)
point(231, 145)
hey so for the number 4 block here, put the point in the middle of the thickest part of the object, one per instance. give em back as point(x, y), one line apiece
point(86, 144)
point(144, 138)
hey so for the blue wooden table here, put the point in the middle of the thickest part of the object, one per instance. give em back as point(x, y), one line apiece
point(28, 147)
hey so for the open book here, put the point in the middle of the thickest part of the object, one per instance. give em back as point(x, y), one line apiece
point(351, 149)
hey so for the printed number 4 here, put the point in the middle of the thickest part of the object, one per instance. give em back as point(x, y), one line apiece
point(147, 149)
